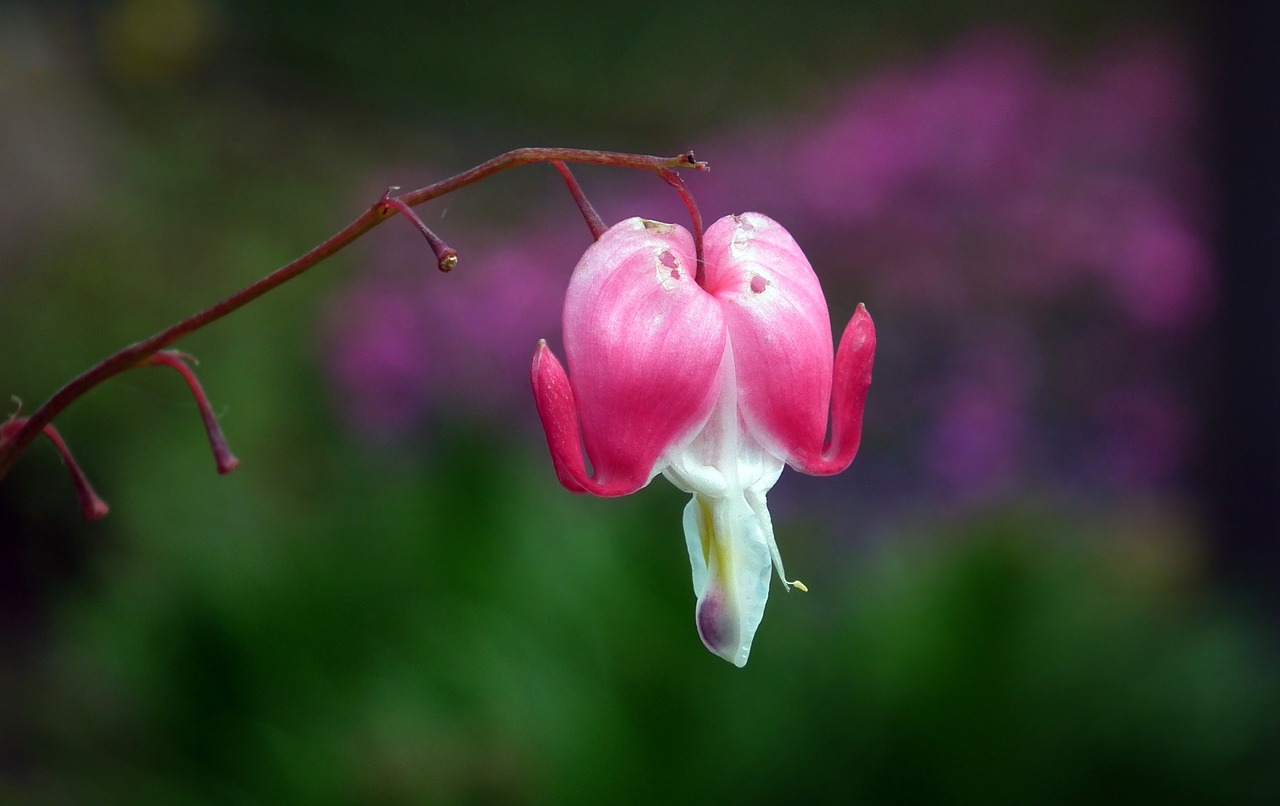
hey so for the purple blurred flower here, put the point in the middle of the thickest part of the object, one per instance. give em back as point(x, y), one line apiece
point(977, 445)
point(410, 342)
point(380, 360)
point(989, 191)
point(1144, 436)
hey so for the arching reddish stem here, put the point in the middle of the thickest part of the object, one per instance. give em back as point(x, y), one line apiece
point(16, 440)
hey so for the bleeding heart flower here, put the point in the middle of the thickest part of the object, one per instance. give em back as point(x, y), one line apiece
point(714, 386)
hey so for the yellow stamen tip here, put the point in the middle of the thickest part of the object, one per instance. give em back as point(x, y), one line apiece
point(798, 585)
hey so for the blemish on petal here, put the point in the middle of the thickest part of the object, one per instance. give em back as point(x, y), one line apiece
point(743, 234)
point(669, 269)
point(657, 225)
point(758, 284)
point(715, 624)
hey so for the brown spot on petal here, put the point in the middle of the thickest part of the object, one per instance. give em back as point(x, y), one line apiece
point(758, 284)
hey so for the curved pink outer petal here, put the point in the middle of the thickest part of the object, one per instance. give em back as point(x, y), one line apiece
point(780, 330)
point(854, 361)
point(644, 346)
point(559, 414)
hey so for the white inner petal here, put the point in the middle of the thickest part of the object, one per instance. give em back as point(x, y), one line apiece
point(728, 531)
point(731, 564)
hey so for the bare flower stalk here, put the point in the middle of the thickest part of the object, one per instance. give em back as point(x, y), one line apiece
point(589, 214)
point(224, 459)
point(20, 432)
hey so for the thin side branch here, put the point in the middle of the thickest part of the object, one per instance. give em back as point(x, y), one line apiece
point(223, 458)
point(446, 255)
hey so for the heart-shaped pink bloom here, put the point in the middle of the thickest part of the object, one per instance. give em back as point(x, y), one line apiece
point(716, 387)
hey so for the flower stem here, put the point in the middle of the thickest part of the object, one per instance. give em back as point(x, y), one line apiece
point(673, 179)
point(594, 222)
point(13, 444)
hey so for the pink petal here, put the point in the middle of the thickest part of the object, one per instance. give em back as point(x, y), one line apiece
point(553, 396)
point(852, 381)
point(780, 331)
point(644, 346)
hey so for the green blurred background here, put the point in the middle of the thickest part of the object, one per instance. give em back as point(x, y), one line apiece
point(410, 609)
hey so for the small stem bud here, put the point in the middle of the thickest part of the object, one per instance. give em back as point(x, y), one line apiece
point(222, 456)
point(446, 256)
